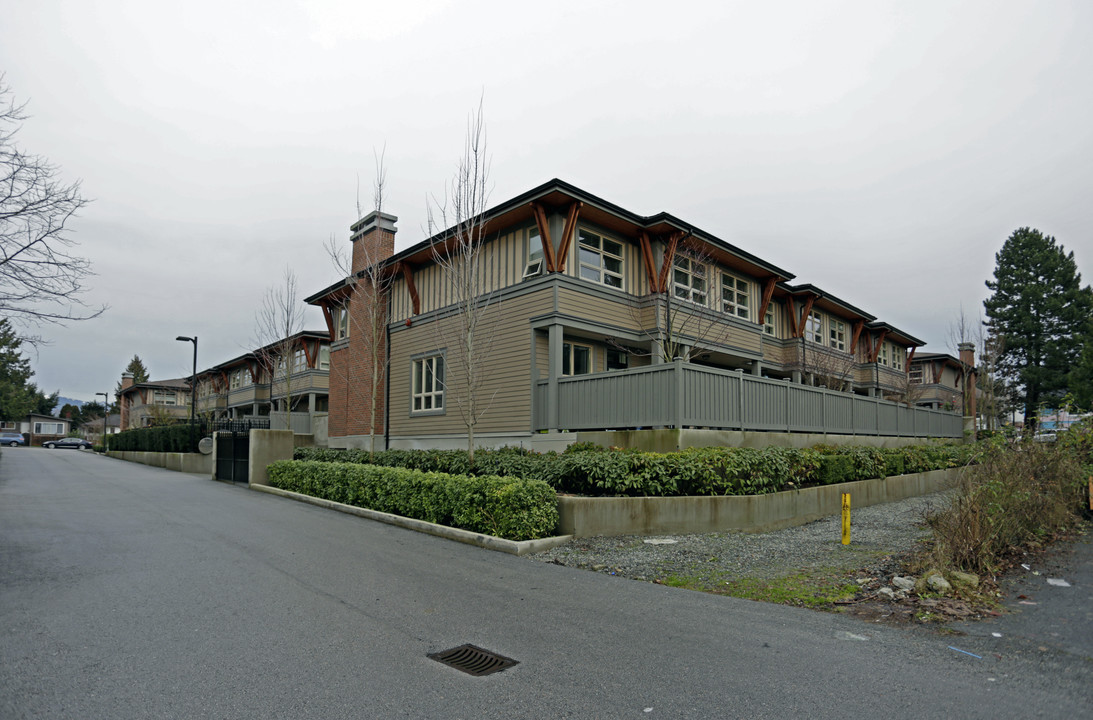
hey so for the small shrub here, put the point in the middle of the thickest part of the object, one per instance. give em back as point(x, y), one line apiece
point(1015, 495)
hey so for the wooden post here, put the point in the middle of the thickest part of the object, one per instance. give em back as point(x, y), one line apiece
point(846, 518)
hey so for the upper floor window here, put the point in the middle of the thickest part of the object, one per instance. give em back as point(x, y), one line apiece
point(734, 296)
point(535, 254)
point(897, 357)
point(814, 328)
point(324, 357)
point(576, 359)
point(427, 384)
point(600, 259)
point(164, 397)
point(689, 279)
point(916, 375)
point(768, 321)
point(341, 322)
point(883, 357)
point(837, 334)
point(299, 360)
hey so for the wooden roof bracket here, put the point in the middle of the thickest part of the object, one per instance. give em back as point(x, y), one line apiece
point(669, 258)
point(329, 320)
point(408, 276)
point(308, 354)
point(650, 264)
point(544, 236)
point(911, 357)
point(567, 234)
point(792, 317)
point(768, 293)
point(805, 312)
point(879, 340)
point(858, 327)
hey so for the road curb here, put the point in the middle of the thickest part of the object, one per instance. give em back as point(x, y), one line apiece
point(489, 542)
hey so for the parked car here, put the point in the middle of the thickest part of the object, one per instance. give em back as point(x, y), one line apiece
point(1045, 436)
point(78, 443)
point(12, 439)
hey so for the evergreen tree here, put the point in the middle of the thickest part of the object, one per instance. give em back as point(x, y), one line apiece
point(16, 394)
point(1038, 308)
point(140, 373)
point(1081, 377)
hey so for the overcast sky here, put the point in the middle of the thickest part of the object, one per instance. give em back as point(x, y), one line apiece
point(882, 151)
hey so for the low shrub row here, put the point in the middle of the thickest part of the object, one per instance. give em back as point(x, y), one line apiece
point(695, 471)
point(164, 438)
point(507, 507)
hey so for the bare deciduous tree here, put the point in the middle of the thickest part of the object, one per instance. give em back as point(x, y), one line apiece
point(684, 325)
point(367, 295)
point(278, 320)
point(468, 333)
point(41, 280)
point(822, 366)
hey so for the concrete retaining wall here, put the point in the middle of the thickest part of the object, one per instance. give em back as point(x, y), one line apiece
point(673, 440)
point(583, 517)
point(179, 462)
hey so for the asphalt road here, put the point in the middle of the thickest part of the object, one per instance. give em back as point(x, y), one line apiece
point(133, 592)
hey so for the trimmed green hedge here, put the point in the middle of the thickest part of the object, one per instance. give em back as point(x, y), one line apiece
point(507, 507)
point(695, 471)
point(163, 438)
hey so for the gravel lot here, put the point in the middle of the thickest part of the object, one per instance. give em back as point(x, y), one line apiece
point(877, 533)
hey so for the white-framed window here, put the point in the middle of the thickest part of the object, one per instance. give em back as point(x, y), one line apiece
point(324, 357)
point(427, 384)
point(768, 321)
point(814, 324)
point(915, 376)
point(576, 359)
point(535, 263)
point(734, 296)
point(164, 397)
point(689, 280)
point(299, 360)
point(47, 428)
point(836, 331)
point(897, 357)
point(600, 259)
point(341, 322)
point(883, 357)
point(617, 359)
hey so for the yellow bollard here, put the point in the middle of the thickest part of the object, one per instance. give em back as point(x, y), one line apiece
point(846, 518)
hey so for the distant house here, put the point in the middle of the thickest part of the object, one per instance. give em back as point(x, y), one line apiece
point(154, 402)
point(945, 382)
point(39, 428)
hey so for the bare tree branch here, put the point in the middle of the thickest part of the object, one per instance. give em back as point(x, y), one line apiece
point(458, 253)
point(40, 278)
point(276, 323)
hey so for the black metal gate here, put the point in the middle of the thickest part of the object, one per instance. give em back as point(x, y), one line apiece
point(232, 455)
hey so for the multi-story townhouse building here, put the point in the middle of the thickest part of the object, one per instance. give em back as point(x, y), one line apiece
point(599, 318)
point(285, 379)
point(288, 375)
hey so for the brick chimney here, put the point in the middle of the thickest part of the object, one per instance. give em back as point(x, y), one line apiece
point(373, 239)
point(126, 380)
point(123, 402)
point(967, 359)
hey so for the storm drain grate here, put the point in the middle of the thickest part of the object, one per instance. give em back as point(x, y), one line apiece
point(474, 660)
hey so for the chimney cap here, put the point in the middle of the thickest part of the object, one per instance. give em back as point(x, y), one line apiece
point(373, 221)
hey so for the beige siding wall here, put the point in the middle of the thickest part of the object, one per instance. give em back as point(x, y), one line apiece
point(620, 313)
point(507, 389)
point(502, 265)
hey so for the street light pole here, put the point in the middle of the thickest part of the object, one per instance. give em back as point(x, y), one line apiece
point(193, 389)
point(105, 414)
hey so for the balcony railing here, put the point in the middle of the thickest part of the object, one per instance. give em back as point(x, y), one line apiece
point(682, 395)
